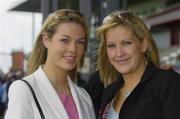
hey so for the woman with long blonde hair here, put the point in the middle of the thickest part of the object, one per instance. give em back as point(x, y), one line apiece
point(58, 53)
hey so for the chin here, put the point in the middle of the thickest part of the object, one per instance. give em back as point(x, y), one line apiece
point(69, 68)
point(123, 71)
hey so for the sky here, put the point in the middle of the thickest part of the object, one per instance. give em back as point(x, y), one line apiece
point(17, 32)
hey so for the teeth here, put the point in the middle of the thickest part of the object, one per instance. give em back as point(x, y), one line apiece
point(121, 61)
point(70, 57)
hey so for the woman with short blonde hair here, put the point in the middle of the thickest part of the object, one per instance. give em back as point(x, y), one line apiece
point(128, 62)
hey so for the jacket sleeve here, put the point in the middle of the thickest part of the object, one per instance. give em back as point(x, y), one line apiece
point(19, 105)
point(171, 98)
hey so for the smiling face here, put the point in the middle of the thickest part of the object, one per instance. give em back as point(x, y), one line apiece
point(124, 50)
point(66, 47)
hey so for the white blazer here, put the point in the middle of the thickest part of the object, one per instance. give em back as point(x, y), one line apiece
point(21, 104)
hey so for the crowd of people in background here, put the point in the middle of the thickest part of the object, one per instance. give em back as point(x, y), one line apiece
point(5, 81)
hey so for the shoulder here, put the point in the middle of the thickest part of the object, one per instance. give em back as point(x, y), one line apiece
point(20, 99)
point(167, 76)
point(167, 73)
point(19, 89)
point(160, 75)
point(19, 96)
point(166, 81)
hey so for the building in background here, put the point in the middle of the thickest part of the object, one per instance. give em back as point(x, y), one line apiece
point(17, 61)
point(162, 17)
point(17, 31)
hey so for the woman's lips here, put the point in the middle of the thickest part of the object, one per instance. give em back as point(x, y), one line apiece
point(70, 59)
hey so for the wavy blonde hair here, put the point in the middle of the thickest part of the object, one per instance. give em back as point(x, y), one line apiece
point(126, 19)
point(39, 53)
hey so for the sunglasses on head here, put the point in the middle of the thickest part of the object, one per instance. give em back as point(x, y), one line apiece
point(121, 15)
point(68, 12)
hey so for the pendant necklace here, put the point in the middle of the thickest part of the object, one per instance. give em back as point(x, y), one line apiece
point(127, 93)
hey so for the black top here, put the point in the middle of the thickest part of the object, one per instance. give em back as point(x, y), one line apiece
point(157, 96)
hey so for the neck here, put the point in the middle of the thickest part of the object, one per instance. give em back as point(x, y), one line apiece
point(57, 77)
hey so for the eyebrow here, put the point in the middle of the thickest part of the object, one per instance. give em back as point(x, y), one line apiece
point(110, 42)
point(66, 36)
point(120, 41)
point(81, 38)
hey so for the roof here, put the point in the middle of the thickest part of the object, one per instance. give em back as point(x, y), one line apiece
point(165, 16)
point(28, 6)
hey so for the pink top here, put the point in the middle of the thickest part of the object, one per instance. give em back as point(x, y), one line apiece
point(70, 106)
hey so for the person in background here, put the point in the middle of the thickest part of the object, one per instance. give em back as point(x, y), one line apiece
point(58, 53)
point(2, 90)
point(128, 62)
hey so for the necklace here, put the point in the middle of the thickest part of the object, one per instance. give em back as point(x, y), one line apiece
point(127, 93)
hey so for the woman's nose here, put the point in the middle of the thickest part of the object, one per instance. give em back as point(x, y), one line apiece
point(72, 47)
point(119, 51)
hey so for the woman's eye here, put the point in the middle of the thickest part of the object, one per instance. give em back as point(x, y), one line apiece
point(64, 40)
point(111, 45)
point(82, 42)
point(127, 43)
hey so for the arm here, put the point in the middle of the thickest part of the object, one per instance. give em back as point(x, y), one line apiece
point(19, 105)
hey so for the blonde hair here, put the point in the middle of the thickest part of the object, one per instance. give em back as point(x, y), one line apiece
point(39, 53)
point(126, 19)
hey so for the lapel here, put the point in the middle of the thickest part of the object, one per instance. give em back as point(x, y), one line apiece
point(48, 97)
point(149, 72)
point(110, 91)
